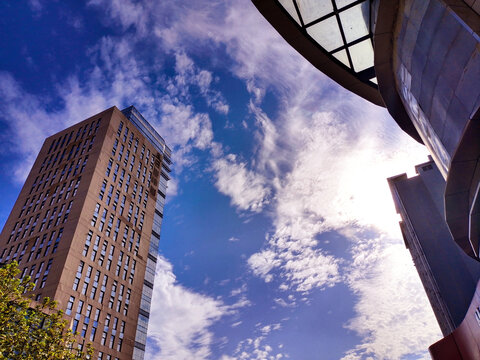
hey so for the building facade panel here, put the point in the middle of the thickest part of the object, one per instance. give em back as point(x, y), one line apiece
point(434, 49)
point(449, 276)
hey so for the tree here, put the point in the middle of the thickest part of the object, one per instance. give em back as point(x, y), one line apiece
point(33, 332)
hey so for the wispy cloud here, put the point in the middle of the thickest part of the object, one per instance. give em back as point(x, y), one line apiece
point(393, 314)
point(320, 165)
point(246, 188)
point(180, 319)
point(257, 348)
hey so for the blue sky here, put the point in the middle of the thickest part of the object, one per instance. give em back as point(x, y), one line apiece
point(280, 239)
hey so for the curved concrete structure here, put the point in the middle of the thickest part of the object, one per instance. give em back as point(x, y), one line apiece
point(464, 342)
point(286, 17)
point(426, 62)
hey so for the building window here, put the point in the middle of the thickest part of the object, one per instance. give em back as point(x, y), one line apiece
point(114, 149)
point(68, 311)
point(95, 248)
point(109, 195)
point(120, 127)
point(102, 190)
point(109, 167)
point(95, 215)
point(78, 276)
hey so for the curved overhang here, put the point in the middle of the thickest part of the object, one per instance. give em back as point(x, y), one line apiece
point(383, 39)
point(338, 38)
point(462, 192)
point(347, 54)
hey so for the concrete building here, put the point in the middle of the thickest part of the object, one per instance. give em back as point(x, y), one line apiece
point(448, 275)
point(86, 227)
point(421, 60)
point(418, 58)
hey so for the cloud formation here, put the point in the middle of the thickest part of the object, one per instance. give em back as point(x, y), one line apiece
point(180, 319)
point(320, 165)
point(247, 190)
point(391, 306)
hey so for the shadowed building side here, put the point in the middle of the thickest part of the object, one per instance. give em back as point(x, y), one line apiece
point(449, 276)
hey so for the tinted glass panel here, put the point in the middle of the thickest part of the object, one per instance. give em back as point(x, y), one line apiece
point(342, 57)
point(362, 55)
point(314, 9)
point(354, 22)
point(326, 33)
point(288, 5)
point(343, 3)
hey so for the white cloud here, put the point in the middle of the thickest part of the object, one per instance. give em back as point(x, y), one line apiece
point(180, 319)
point(267, 329)
point(321, 171)
point(263, 262)
point(316, 171)
point(337, 181)
point(117, 77)
point(226, 357)
point(393, 314)
point(29, 123)
point(36, 6)
point(247, 190)
point(188, 75)
point(172, 188)
point(255, 349)
point(239, 291)
point(125, 13)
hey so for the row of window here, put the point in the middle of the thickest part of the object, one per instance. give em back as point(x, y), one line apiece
point(50, 241)
point(98, 254)
point(107, 356)
point(130, 135)
point(76, 149)
point(112, 226)
point(92, 285)
point(35, 276)
point(103, 255)
point(137, 192)
point(81, 132)
point(115, 327)
point(52, 217)
point(76, 167)
point(59, 143)
point(134, 215)
point(120, 174)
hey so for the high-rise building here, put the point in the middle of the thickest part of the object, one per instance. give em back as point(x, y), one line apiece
point(86, 227)
point(449, 276)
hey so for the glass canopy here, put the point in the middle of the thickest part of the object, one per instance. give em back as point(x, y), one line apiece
point(343, 28)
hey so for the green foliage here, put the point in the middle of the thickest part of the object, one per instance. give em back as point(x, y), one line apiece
point(32, 332)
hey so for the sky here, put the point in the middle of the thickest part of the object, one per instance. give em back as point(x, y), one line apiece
point(280, 239)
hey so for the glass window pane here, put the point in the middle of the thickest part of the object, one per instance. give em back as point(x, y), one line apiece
point(288, 5)
point(326, 33)
point(314, 9)
point(354, 22)
point(362, 55)
point(342, 57)
point(374, 80)
point(343, 3)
